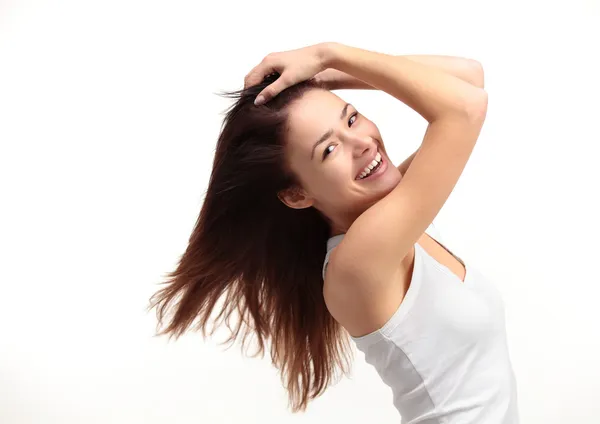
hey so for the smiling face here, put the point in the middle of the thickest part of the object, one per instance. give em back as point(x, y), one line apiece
point(329, 146)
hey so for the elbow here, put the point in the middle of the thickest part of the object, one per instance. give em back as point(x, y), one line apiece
point(477, 105)
point(477, 75)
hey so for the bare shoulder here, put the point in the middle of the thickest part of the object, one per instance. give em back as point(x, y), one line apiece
point(367, 275)
point(362, 301)
point(382, 236)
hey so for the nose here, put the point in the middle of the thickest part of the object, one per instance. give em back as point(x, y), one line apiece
point(361, 144)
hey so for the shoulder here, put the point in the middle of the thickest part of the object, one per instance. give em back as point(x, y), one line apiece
point(348, 265)
point(359, 298)
point(339, 286)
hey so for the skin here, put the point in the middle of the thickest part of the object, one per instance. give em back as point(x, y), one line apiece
point(329, 184)
point(359, 304)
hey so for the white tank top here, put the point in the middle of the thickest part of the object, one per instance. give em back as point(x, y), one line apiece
point(444, 352)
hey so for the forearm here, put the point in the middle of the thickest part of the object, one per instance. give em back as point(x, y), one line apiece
point(468, 70)
point(429, 91)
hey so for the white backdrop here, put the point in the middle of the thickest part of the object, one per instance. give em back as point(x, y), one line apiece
point(108, 124)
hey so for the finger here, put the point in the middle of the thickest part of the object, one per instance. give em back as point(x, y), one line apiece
point(257, 74)
point(272, 90)
point(248, 78)
point(253, 78)
point(270, 64)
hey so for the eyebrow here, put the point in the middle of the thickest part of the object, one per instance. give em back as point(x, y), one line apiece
point(325, 136)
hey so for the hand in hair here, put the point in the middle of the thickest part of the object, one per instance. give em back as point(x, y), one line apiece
point(294, 66)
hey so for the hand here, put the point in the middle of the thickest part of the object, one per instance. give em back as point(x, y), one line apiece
point(294, 66)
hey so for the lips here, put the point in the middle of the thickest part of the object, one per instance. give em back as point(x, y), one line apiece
point(367, 163)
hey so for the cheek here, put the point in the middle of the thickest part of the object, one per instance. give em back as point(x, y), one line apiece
point(329, 186)
point(340, 172)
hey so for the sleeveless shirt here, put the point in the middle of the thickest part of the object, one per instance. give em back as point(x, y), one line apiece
point(444, 351)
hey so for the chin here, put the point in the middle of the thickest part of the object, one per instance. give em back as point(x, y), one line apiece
point(392, 181)
point(384, 186)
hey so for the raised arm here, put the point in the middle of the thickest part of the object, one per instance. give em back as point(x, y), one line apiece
point(429, 91)
point(379, 238)
point(468, 70)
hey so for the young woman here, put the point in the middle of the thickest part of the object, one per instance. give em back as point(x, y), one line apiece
point(314, 238)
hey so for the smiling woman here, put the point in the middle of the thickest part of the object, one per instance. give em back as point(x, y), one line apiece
point(330, 170)
point(315, 239)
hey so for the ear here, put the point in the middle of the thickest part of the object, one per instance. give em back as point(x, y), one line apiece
point(295, 198)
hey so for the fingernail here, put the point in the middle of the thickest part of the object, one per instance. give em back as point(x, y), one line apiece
point(259, 100)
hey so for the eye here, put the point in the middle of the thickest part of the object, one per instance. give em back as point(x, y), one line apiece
point(327, 151)
point(350, 123)
point(354, 115)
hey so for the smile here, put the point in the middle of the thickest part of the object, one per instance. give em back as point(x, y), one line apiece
point(372, 169)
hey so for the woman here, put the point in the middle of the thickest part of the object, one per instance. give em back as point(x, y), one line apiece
point(311, 235)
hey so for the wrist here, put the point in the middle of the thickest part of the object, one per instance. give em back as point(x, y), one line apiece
point(328, 53)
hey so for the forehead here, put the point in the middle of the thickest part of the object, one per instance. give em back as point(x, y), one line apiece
point(311, 116)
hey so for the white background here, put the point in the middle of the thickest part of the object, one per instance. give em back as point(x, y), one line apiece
point(108, 123)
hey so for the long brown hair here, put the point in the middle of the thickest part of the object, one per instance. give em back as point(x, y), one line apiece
point(262, 257)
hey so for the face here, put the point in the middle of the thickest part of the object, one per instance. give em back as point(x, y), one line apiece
point(329, 145)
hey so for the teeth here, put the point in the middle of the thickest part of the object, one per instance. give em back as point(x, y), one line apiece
point(372, 165)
